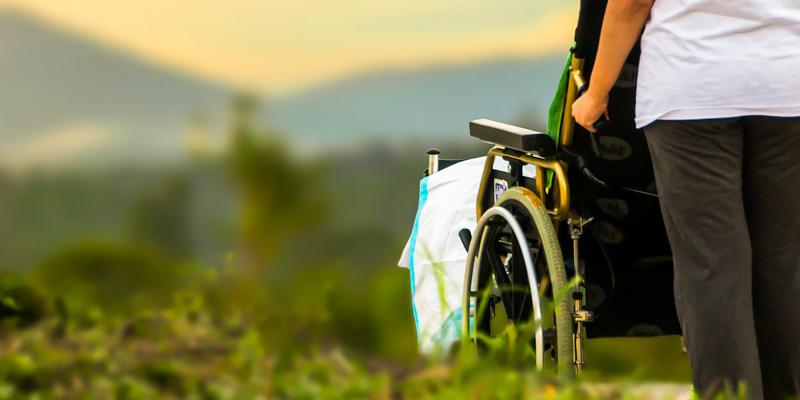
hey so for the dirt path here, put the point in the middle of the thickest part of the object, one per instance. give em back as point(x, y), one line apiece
point(643, 391)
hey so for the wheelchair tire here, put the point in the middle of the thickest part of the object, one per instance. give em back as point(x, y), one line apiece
point(533, 227)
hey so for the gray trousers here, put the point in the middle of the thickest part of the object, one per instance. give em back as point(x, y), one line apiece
point(730, 196)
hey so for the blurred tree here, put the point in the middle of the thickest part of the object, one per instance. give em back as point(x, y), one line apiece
point(112, 277)
point(20, 304)
point(42, 212)
point(279, 195)
point(198, 137)
point(159, 217)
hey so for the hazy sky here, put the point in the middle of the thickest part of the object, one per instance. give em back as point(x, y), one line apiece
point(279, 45)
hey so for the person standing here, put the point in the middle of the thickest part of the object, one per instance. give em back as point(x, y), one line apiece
point(718, 98)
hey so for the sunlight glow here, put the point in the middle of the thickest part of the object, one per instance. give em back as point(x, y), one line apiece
point(279, 45)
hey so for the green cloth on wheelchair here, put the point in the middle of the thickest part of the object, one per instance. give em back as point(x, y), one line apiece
point(556, 113)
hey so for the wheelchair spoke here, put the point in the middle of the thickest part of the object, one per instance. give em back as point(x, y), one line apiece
point(504, 283)
point(519, 274)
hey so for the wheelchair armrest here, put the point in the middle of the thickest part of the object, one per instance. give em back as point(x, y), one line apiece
point(513, 137)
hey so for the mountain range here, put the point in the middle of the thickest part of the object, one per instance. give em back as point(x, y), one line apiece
point(435, 101)
point(69, 98)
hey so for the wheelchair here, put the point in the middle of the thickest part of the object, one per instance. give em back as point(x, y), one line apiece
point(578, 249)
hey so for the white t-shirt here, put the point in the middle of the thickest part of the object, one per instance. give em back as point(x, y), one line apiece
point(719, 58)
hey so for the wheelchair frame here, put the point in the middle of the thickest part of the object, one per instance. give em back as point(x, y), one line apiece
point(553, 194)
point(557, 204)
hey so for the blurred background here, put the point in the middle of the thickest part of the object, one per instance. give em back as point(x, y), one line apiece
point(210, 197)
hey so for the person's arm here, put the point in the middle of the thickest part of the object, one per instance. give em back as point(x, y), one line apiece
point(622, 25)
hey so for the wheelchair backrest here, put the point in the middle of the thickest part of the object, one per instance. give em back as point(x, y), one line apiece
point(627, 251)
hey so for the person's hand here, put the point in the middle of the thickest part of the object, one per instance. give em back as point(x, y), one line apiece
point(588, 109)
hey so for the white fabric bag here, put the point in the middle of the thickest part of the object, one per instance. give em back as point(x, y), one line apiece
point(435, 256)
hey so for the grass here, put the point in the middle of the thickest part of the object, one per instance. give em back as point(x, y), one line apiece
point(181, 353)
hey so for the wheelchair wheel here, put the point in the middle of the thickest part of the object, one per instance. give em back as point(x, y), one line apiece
point(515, 275)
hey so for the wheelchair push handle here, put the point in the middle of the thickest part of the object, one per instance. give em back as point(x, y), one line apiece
point(600, 126)
point(433, 161)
